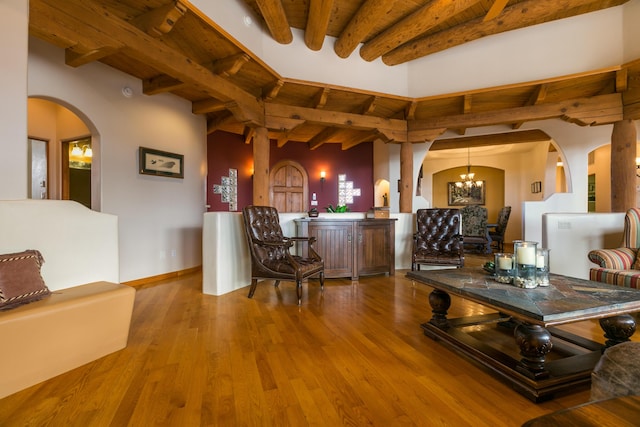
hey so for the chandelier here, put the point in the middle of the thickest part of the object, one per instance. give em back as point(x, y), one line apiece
point(467, 181)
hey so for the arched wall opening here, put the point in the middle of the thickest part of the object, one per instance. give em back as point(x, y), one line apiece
point(64, 128)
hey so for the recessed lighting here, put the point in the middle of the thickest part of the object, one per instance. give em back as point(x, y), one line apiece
point(127, 92)
point(247, 20)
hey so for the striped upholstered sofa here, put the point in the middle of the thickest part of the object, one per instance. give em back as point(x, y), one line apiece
point(620, 266)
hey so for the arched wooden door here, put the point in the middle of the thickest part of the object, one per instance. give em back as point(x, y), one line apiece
point(289, 187)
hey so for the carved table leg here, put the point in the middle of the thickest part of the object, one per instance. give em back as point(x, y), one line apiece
point(440, 302)
point(534, 342)
point(618, 329)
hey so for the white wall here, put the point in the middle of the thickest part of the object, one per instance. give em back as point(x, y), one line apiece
point(495, 60)
point(14, 28)
point(160, 219)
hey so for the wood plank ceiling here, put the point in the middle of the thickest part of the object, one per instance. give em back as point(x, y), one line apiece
point(171, 47)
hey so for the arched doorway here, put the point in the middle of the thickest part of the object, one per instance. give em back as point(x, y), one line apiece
point(288, 187)
point(71, 151)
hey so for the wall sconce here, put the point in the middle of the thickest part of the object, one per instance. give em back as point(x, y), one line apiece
point(76, 151)
point(323, 174)
point(637, 166)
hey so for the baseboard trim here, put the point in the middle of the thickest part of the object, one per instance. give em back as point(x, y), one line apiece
point(146, 281)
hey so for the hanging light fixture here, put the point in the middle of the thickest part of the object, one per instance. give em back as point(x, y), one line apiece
point(88, 152)
point(467, 181)
point(76, 151)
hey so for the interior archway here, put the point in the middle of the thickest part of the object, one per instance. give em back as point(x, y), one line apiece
point(64, 128)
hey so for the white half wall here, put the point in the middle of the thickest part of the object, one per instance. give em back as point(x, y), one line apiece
point(570, 237)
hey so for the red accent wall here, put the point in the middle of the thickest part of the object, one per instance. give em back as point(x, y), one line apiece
point(227, 150)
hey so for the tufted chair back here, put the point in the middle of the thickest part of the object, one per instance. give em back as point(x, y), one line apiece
point(270, 256)
point(437, 240)
point(262, 224)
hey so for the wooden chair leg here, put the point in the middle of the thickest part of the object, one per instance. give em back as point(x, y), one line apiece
point(299, 291)
point(322, 281)
point(252, 289)
point(277, 283)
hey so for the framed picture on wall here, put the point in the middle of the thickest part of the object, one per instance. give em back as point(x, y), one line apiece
point(461, 195)
point(161, 163)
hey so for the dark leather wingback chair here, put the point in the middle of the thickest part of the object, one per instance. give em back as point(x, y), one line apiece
point(437, 240)
point(270, 256)
point(497, 233)
point(474, 228)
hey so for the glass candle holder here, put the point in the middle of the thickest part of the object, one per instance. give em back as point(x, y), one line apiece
point(524, 275)
point(542, 266)
point(503, 266)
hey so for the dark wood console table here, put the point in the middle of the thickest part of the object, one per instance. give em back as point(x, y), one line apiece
point(544, 359)
point(352, 247)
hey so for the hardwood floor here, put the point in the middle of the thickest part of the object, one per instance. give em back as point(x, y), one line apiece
point(354, 355)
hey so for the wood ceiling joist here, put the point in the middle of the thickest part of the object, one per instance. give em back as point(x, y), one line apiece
point(605, 108)
point(90, 15)
point(75, 59)
point(282, 138)
point(370, 105)
point(276, 20)
point(271, 92)
point(520, 15)
point(534, 135)
point(248, 134)
point(160, 21)
point(277, 114)
point(317, 23)
point(207, 106)
point(413, 26)
point(537, 96)
point(351, 142)
point(496, 9)
point(160, 84)
point(230, 65)
point(322, 137)
point(467, 101)
point(217, 122)
point(320, 99)
point(622, 82)
point(361, 24)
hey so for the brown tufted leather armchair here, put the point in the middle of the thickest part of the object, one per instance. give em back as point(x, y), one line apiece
point(270, 256)
point(437, 240)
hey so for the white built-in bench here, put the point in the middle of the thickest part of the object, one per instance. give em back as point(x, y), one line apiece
point(88, 313)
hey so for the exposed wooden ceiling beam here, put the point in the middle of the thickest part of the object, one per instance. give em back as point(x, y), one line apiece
point(466, 109)
point(496, 9)
point(160, 21)
point(322, 137)
point(360, 25)
point(215, 123)
point(286, 117)
point(207, 106)
point(320, 99)
point(75, 59)
point(160, 84)
point(113, 31)
point(537, 96)
point(534, 135)
point(596, 110)
point(248, 134)
point(276, 20)
point(413, 26)
point(317, 23)
point(352, 141)
point(520, 15)
point(271, 91)
point(230, 65)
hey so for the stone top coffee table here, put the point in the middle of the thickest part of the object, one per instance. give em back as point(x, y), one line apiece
point(549, 360)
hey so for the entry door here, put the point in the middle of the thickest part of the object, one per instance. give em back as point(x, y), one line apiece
point(288, 187)
point(38, 169)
